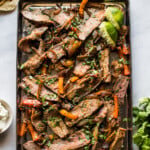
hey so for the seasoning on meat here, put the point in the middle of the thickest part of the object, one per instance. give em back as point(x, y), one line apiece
point(31, 145)
point(26, 42)
point(92, 23)
point(74, 141)
point(104, 63)
point(56, 123)
point(120, 87)
point(37, 17)
point(81, 69)
point(31, 86)
point(83, 110)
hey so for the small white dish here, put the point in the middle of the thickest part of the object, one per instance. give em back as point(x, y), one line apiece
point(10, 116)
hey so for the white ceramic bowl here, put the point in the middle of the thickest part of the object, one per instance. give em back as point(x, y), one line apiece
point(10, 116)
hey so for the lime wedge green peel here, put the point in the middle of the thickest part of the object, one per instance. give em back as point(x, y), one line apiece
point(115, 16)
point(109, 33)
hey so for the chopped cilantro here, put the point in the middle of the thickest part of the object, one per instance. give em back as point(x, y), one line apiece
point(38, 82)
point(86, 148)
point(99, 55)
point(30, 77)
point(22, 66)
point(102, 136)
point(51, 81)
point(45, 65)
point(49, 144)
point(27, 89)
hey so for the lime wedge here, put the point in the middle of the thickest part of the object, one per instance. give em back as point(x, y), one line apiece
point(109, 33)
point(115, 16)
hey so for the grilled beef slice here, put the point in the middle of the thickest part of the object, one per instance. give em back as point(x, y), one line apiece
point(118, 141)
point(37, 17)
point(101, 114)
point(31, 85)
point(63, 18)
point(79, 89)
point(104, 64)
point(30, 145)
point(52, 84)
point(59, 16)
point(26, 42)
point(56, 52)
point(56, 123)
point(36, 120)
point(111, 122)
point(92, 23)
point(83, 110)
point(99, 117)
point(74, 141)
point(120, 87)
point(81, 69)
point(32, 64)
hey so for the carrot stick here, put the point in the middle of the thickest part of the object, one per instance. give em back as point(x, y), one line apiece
point(39, 89)
point(82, 6)
point(68, 63)
point(126, 70)
point(60, 85)
point(126, 67)
point(74, 79)
point(44, 69)
point(34, 134)
point(110, 137)
point(23, 129)
point(68, 114)
point(95, 135)
point(104, 92)
point(116, 111)
point(75, 46)
point(51, 136)
point(125, 50)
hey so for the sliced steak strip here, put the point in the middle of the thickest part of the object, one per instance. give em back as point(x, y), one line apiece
point(92, 23)
point(30, 145)
point(72, 90)
point(48, 95)
point(36, 120)
point(32, 64)
point(25, 43)
point(117, 143)
point(74, 141)
point(56, 123)
point(101, 115)
point(81, 69)
point(83, 110)
point(111, 121)
point(63, 18)
point(120, 87)
point(31, 86)
point(37, 17)
point(56, 52)
point(59, 16)
point(104, 64)
point(90, 52)
point(52, 84)
point(79, 89)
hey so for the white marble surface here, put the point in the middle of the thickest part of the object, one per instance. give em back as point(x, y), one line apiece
point(140, 36)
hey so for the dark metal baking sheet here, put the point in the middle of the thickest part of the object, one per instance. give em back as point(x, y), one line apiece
point(126, 109)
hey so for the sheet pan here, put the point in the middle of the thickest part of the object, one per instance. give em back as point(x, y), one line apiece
point(126, 109)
